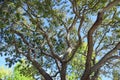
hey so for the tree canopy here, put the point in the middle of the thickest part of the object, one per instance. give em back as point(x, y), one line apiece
point(61, 38)
point(5, 73)
point(19, 73)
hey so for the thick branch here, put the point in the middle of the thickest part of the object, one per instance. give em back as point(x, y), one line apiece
point(41, 71)
point(90, 40)
point(79, 28)
point(63, 71)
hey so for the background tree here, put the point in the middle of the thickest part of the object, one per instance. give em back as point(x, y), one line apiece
point(5, 73)
point(50, 33)
point(24, 70)
point(20, 72)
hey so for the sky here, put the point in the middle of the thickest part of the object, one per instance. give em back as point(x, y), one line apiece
point(2, 61)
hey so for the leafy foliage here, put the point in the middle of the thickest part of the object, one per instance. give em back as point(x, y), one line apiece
point(25, 70)
point(5, 73)
point(76, 38)
point(19, 73)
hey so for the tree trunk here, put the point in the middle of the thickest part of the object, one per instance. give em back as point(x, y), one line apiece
point(63, 71)
point(86, 76)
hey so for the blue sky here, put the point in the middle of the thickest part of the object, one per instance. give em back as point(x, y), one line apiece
point(2, 61)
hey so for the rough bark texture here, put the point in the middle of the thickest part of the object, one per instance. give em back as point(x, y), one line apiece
point(90, 47)
point(63, 71)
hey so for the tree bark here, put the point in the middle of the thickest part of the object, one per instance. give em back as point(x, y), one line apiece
point(41, 71)
point(38, 67)
point(86, 75)
point(87, 72)
point(63, 71)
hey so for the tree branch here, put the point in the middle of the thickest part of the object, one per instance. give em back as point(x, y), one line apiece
point(69, 29)
point(36, 64)
point(55, 74)
point(90, 40)
point(104, 34)
point(105, 58)
point(79, 28)
point(21, 35)
point(110, 5)
point(49, 43)
point(74, 5)
point(104, 47)
point(73, 51)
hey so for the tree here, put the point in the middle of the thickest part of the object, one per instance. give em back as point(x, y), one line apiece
point(19, 73)
point(24, 71)
point(5, 73)
point(50, 33)
point(77, 64)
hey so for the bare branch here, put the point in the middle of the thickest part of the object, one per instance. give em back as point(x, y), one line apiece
point(105, 58)
point(78, 43)
point(75, 9)
point(114, 57)
point(104, 34)
point(38, 67)
point(46, 54)
point(73, 24)
point(58, 64)
point(55, 74)
point(104, 47)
